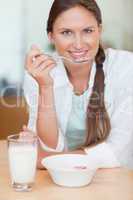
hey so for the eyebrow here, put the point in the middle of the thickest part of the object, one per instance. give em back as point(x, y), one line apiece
point(65, 28)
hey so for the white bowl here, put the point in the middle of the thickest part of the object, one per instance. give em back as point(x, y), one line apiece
point(71, 170)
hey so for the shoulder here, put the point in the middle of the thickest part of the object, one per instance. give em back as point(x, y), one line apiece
point(118, 59)
point(118, 65)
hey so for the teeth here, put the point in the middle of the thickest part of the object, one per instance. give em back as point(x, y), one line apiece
point(78, 54)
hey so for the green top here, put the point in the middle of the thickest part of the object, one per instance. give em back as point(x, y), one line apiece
point(75, 133)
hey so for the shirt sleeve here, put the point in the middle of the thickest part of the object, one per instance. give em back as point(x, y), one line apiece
point(103, 154)
point(30, 88)
point(121, 135)
point(117, 149)
point(60, 145)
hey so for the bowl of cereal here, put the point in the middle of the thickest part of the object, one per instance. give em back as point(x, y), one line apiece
point(70, 170)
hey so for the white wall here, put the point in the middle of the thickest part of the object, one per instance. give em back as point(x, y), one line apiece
point(36, 18)
point(117, 23)
point(11, 39)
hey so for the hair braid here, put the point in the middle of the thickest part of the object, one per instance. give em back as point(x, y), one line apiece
point(98, 124)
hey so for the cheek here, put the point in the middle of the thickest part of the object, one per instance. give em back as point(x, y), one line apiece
point(93, 43)
point(94, 40)
point(61, 44)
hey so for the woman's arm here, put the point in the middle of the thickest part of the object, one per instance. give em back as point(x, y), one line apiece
point(47, 126)
point(39, 66)
point(42, 154)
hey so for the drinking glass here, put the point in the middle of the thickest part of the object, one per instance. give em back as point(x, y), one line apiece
point(22, 153)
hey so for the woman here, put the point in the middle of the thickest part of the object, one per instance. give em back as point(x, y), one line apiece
point(84, 103)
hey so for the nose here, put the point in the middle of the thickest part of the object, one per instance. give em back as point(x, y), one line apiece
point(78, 43)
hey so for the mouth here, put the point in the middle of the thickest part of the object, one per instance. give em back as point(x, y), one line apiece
point(78, 55)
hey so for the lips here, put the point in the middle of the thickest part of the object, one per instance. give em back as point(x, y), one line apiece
point(78, 54)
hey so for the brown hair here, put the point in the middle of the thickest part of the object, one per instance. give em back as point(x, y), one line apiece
point(98, 123)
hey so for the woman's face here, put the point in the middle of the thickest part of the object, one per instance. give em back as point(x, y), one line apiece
point(76, 34)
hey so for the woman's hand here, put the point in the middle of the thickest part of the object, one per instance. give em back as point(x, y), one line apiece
point(39, 65)
point(27, 133)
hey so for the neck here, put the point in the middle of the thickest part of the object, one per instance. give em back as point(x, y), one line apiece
point(79, 77)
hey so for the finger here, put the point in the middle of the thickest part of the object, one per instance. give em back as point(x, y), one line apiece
point(29, 63)
point(31, 59)
point(33, 53)
point(24, 128)
point(47, 63)
point(38, 56)
point(23, 135)
point(50, 67)
point(42, 59)
point(42, 68)
point(27, 133)
point(43, 55)
point(38, 60)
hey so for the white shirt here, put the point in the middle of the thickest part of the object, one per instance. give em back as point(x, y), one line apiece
point(118, 68)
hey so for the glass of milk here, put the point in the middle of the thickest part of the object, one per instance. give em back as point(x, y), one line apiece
point(22, 153)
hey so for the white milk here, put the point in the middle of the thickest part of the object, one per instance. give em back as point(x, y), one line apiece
point(22, 161)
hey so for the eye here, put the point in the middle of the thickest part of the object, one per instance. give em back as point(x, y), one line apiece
point(89, 30)
point(66, 32)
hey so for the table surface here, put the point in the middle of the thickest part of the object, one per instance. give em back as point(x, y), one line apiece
point(108, 184)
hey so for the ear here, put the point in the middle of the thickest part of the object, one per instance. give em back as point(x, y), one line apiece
point(50, 37)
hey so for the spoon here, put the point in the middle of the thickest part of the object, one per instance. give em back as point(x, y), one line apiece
point(58, 58)
point(71, 60)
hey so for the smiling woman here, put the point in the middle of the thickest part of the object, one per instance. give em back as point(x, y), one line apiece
point(78, 39)
point(96, 119)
